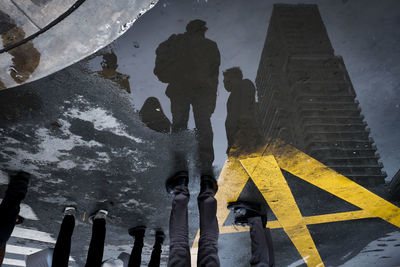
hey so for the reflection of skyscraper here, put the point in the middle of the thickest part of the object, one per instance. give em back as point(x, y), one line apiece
point(307, 99)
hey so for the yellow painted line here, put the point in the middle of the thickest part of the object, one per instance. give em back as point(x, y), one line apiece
point(269, 179)
point(318, 219)
point(314, 172)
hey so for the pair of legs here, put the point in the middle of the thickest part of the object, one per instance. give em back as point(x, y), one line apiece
point(9, 207)
point(203, 105)
point(63, 244)
point(136, 255)
point(179, 253)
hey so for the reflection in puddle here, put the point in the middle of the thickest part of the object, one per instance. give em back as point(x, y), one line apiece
point(109, 71)
point(242, 131)
point(153, 116)
point(307, 99)
point(189, 63)
point(26, 57)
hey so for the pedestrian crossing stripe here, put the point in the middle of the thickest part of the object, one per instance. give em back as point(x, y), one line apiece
point(264, 168)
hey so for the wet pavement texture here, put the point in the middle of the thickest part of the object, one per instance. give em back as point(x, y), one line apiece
point(216, 82)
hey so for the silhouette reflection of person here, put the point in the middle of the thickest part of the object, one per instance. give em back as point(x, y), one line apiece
point(189, 63)
point(109, 71)
point(153, 116)
point(241, 127)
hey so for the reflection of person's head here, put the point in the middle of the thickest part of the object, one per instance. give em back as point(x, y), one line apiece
point(196, 26)
point(109, 61)
point(232, 76)
point(152, 104)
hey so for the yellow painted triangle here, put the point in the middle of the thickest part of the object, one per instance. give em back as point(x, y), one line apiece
point(316, 173)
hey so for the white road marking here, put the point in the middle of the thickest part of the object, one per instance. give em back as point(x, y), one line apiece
point(33, 235)
point(21, 250)
point(14, 262)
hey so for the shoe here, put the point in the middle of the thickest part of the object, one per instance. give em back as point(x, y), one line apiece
point(69, 211)
point(18, 185)
point(208, 183)
point(160, 236)
point(244, 210)
point(99, 214)
point(180, 178)
point(137, 231)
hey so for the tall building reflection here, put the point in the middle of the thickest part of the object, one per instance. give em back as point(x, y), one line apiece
point(307, 99)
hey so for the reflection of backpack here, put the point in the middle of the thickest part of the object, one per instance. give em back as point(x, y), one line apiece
point(168, 59)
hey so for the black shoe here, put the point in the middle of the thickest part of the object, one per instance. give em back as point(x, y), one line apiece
point(18, 185)
point(208, 184)
point(180, 178)
point(137, 231)
point(160, 236)
point(244, 210)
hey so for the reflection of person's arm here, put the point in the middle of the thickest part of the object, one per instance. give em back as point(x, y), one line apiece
point(2, 253)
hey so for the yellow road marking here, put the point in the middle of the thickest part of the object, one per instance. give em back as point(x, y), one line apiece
point(267, 176)
point(314, 172)
point(318, 219)
point(264, 169)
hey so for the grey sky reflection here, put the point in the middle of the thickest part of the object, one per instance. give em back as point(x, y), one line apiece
point(364, 32)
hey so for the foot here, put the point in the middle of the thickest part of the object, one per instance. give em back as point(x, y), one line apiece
point(69, 211)
point(208, 184)
point(137, 231)
point(160, 236)
point(99, 214)
point(180, 178)
point(18, 185)
point(244, 210)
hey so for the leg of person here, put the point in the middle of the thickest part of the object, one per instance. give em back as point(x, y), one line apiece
point(203, 108)
point(135, 258)
point(259, 245)
point(209, 231)
point(9, 207)
point(179, 251)
point(63, 245)
point(180, 106)
point(271, 253)
point(156, 253)
point(96, 247)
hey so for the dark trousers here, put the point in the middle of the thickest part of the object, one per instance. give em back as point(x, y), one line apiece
point(96, 247)
point(136, 254)
point(203, 107)
point(155, 255)
point(63, 244)
point(179, 253)
point(262, 253)
point(9, 210)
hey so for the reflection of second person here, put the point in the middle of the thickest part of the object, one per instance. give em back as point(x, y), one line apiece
point(241, 122)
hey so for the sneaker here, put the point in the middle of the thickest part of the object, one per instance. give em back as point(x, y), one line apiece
point(180, 178)
point(99, 214)
point(69, 211)
point(244, 210)
point(137, 231)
